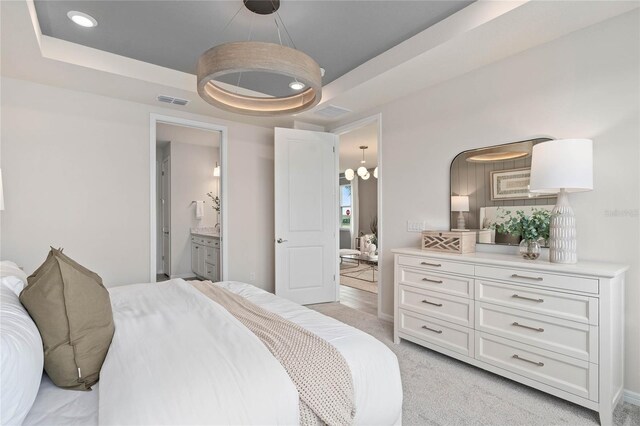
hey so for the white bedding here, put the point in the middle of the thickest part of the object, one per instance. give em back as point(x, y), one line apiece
point(178, 358)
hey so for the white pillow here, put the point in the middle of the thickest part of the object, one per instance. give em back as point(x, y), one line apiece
point(9, 269)
point(22, 357)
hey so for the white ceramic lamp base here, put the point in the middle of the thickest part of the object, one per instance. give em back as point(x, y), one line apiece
point(460, 224)
point(562, 232)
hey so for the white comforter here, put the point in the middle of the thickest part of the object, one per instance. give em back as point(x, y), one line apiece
point(179, 358)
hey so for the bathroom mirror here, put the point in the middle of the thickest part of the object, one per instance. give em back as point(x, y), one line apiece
point(486, 183)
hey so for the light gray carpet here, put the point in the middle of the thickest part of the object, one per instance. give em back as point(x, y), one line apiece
point(439, 390)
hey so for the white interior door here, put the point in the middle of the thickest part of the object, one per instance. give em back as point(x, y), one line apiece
point(166, 217)
point(306, 215)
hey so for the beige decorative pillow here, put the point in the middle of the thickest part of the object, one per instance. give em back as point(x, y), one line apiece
point(73, 313)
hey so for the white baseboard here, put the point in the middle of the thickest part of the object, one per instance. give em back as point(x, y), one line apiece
point(385, 317)
point(631, 397)
point(183, 276)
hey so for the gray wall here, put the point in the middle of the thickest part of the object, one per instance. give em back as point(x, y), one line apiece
point(368, 203)
point(474, 180)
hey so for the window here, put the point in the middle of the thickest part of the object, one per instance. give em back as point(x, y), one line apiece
point(346, 209)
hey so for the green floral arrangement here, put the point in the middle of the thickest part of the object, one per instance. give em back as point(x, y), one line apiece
point(216, 201)
point(530, 228)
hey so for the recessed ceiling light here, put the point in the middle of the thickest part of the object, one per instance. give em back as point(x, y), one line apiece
point(296, 85)
point(82, 19)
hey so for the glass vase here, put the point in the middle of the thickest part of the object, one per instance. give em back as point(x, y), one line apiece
point(530, 249)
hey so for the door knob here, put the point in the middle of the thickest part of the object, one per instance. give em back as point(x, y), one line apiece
point(280, 241)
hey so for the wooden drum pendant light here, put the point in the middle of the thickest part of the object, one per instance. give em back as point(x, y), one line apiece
point(253, 56)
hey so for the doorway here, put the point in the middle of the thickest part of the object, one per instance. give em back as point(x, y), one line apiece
point(359, 194)
point(188, 188)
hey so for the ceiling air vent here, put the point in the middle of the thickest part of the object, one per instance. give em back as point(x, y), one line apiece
point(171, 100)
point(332, 111)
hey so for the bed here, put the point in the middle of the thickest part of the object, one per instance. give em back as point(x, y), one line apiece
point(179, 358)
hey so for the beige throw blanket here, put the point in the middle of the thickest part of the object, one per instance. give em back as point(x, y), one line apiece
point(318, 370)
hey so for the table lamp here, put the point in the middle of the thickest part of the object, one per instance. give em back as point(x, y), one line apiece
point(562, 166)
point(460, 203)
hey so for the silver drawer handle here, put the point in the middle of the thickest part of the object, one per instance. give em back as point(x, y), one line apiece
point(528, 298)
point(539, 364)
point(432, 329)
point(437, 265)
point(431, 303)
point(524, 277)
point(432, 281)
point(529, 327)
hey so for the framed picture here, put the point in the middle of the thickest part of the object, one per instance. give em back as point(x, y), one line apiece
point(510, 184)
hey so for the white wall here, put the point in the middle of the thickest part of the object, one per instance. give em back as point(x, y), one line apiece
point(583, 85)
point(191, 179)
point(76, 174)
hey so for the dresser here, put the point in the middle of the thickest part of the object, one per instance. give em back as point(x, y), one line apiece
point(556, 328)
point(205, 256)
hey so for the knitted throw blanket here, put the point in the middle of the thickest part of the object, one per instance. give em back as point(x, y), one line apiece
point(318, 370)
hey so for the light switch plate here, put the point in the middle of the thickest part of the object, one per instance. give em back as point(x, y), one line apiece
point(415, 225)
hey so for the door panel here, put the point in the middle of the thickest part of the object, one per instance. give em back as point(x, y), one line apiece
point(306, 214)
point(166, 217)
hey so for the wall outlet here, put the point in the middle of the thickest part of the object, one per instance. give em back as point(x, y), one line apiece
point(252, 276)
point(416, 225)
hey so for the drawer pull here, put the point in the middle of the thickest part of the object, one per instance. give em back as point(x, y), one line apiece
point(529, 327)
point(524, 277)
point(539, 364)
point(431, 303)
point(432, 281)
point(528, 298)
point(432, 329)
point(437, 265)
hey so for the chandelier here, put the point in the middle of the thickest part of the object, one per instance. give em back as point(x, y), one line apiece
point(362, 171)
point(255, 56)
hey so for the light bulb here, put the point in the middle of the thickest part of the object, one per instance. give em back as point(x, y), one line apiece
point(362, 171)
point(82, 19)
point(296, 85)
point(366, 176)
point(375, 172)
point(349, 174)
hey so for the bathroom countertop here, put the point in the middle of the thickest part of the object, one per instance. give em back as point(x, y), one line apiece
point(208, 231)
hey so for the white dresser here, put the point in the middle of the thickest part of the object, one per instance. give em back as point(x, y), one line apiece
point(557, 328)
point(205, 256)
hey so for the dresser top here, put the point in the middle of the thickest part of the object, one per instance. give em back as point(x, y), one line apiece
point(599, 269)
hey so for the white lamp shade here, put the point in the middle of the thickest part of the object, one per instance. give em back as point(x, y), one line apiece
point(1, 192)
point(375, 173)
point(349, 174)
point(562, 164)
point(366, 176)
point(362, 170)
point(216, 171)
point(459, 203)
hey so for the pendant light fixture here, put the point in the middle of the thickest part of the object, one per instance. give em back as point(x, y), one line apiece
point(254, 56)
point(349, 174)
point(362, 170)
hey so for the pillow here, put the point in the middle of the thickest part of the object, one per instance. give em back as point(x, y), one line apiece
point(18, 278)
point(22, 357)
point(72, 310)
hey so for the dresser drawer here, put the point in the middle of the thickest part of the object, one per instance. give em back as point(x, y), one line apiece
point(449, 308)
point(574, 339)
point(443, 283)
point(441, 333)
point(210, 242)
point(210, 271)
point(562, 372)
point(435, 264)
point(560, 305)
point(542, 279)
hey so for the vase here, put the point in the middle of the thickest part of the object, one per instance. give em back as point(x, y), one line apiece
point(530, 249)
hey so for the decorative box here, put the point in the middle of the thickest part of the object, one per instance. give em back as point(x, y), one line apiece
point(449, 241)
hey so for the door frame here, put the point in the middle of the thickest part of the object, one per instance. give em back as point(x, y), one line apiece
point(166, 271)
point(154, 120)
point(340, 130)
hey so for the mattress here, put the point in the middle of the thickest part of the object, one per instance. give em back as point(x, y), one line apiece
point(374, 368)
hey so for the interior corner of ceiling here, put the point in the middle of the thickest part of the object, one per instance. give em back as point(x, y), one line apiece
point(34, 21)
